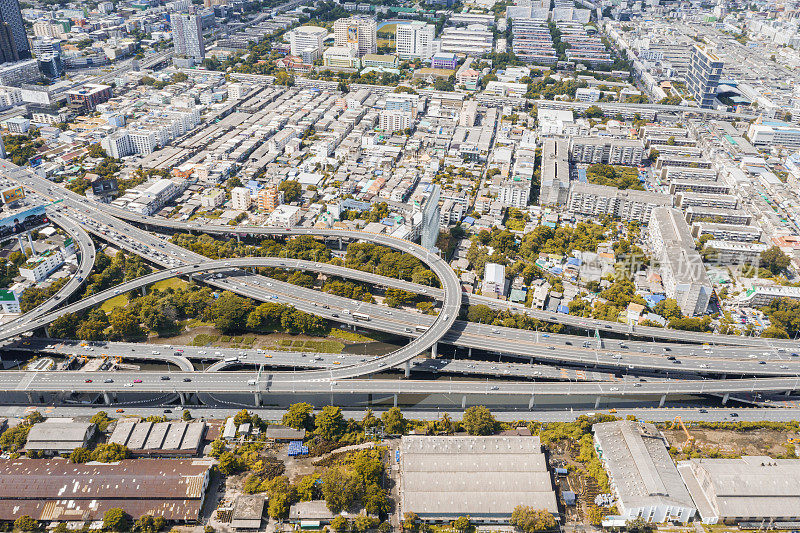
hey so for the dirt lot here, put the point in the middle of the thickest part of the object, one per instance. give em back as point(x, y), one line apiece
point(754, 442)
point(562, 455)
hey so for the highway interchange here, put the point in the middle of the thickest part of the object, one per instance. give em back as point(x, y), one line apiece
point(585, 366)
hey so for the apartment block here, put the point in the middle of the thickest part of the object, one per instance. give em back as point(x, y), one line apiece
point(593, 200)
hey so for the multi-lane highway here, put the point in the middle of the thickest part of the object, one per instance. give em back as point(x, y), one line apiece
point(76, 212)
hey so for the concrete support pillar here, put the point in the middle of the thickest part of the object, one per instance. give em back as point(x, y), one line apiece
point(182, 396)
point(531, 402)
point(597, 403)
point(464, 401)
point(238, 239)
point(107, 398)
point(47, 331)
point(469, 352)
point(394, 400)
point(726, 398)
point(30, 397)
point(144, 290)
point(662, 400)
point(408, 369)
point(30, 241)
point(340, 243)
point(435, 350)
point(788, 393)
point(257, 398)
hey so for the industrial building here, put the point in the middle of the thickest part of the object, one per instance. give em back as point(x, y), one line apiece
point(753, 489)
point(58, 490)
point(55, 436)
point(642, 473)
point(163, 438)
point(443, 478)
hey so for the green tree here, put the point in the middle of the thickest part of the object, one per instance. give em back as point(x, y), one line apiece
point(115, 519)
point(230, 312)
point(393, 421)
point(462, 524)
point(230, 464)
point(110, 453)
point(638, 525)
point(217, 448)
point(340, 524)
point(478, 420)
point(299, 416)
point(291, 190)
point(593, 112)
point(242, 417)
point(26, 523)
point(774, 332)
point(532, 520)
point(774, 260)
point(80, 455)
point(149, 524)
point(330, 423)
point(668, 308)
point(340, 488)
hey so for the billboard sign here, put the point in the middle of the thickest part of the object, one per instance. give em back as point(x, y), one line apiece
point(22, 221)
point(13, 194)
point(352, 34)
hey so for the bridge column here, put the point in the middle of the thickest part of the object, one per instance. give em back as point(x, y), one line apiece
point(788, 393)
point(531, 402)
point(257, 398)
point(597, 403)
point(469, 352)
point(394, 400)
point(47, 331)
point(182, 396)
point(144, 290)
point(662, 400)
point(107, 398)
point(726, 398)
point(408, 369)
point(238, 239)
point(464, 401)
point(340, 243)
point(435, 350)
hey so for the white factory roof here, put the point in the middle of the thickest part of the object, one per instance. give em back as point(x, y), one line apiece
point(484, 477)
point(640, 465)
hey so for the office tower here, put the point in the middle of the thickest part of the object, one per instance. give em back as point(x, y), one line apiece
point(307, 40)
point(705, 69)
point(13, 39)
point(357, 33)
point(415, 40)
point(187, 36)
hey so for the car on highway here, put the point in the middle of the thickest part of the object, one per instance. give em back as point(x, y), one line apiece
point(703, 410)
point(87, 380)
point(734, 415)
point(137, 380)
point(165, 378)
point(129, 384)
point(108, 380)
point(187, 380)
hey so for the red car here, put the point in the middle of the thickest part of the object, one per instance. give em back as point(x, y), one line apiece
point(137, 380)
point(88, 381)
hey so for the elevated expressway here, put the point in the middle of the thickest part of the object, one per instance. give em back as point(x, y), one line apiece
point(325, 381)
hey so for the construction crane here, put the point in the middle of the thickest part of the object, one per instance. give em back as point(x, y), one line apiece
point(689, 438)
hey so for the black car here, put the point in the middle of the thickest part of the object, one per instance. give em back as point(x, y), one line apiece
point(734, 415)
point(703, 410)
point(187, 380)
point(164, 378)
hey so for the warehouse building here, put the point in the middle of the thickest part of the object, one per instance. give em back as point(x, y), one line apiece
point(641, 472)
point(57, 490)
point(754, 489)
point(164, 438)
point(443, 478)
point(55, 436)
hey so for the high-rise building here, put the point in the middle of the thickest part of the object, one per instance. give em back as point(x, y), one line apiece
point(13, 39)
point(705, 69)
point(357, 33)
point(307, 40)
point(240, 198)
point(269, 199)
point(187, 36)
point(415, 40)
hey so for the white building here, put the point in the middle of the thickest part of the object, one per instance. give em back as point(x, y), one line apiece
point(494, 280)
point(212, 198)
point(307, 40)
point(769, 133)
point(414, 40)
point(240, 198)
point(630, 205)
point(39, 267)
point(474, 40)
point(237, 91)
point(641, 472)
point(187, 36)
point(284, 216)
point(588, 150)
point(9, 299)
point(143, 141)
point(118, 144)
point(587, 94)
point(682, 272)
point(392, 120)
point(358, 33)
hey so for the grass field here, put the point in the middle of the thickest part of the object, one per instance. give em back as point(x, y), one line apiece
point(116, 301)
point(174, 283)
